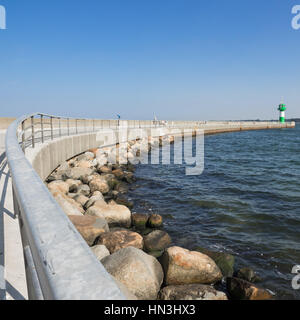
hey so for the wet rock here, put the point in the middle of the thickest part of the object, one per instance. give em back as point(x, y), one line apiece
point(224, 261)
point(89, 227)
point(121, 187)
point(116, 215)
point(123, 201)
point(248, 274)
point(99, 184)
point(139, 220)
point(156, 254)
point(129, 177)
point(157, 240)
point(243, 290)
point(140, 273)
point(110, 179)
point(100, 251)
point(191, 292)
point(104, 169)
point(118, 173)
point(182, 266)
point(155, 221)
point(116, 240)
point(58, 186)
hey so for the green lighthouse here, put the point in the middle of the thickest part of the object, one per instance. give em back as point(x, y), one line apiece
point(282, 108)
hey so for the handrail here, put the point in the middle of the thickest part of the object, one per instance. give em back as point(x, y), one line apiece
point(60, 264)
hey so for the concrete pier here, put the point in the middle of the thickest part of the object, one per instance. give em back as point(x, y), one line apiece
point(45, 157)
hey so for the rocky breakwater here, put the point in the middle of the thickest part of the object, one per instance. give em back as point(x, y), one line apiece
point(133, 246)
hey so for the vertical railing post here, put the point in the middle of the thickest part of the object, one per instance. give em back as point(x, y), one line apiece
point(68, 121)
point(76, 127)
point(23, 136)
point(32, 132)
point(51, 125)
point(93, 125)
point(42, 128)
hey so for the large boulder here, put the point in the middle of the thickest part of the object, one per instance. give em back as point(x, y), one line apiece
point(100, 251)
point(224, 261)
point(140, 273)
point(99, 184)
point(240, 289)
point(117, 240)
point(191, 292)
point(116, 215)
point(58, 186)
point(84, 164)
point(69, 206)
point(89, 227)
point(77, 173)
point(182, 266)
point(157, 240)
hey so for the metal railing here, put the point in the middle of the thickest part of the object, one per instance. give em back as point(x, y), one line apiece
point(59, 263)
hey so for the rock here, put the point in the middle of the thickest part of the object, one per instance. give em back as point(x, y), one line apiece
point(155, 221)
point(99, 184)
point(84, 189)
point(118, 173)
point(104, 169)
point(110, 179)
point(123, 201)
point(182, 266)
point(73, 184)
point(128, 295)
point(89, 227)
point(117, 240)
point(102, 160)
point(157, 240)
point(80, 198)
point(63, 167)
point(129, 177)
point(248, 274)
point(224, 261)
point(243, 290)
point(100, 251)
point(96, 197)
point(69, 206)
point(116, 215)
point(93, 151)
point(84, 164)
point(156, 254)
point(140, 273)
point(77, 173)
point(191, 292)
point(58, 186)
point(87, 156)
point(121, 187)
point(139, 220)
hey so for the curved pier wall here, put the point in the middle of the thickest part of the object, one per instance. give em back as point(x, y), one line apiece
point(46, 157)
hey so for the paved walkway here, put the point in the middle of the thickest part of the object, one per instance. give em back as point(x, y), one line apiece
point(12, 270)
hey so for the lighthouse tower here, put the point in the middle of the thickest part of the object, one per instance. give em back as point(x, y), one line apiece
point(282, 108)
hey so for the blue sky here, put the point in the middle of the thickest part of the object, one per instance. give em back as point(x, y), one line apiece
point(180, 59)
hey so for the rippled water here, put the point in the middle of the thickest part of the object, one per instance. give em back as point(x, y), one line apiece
point(246, 202)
